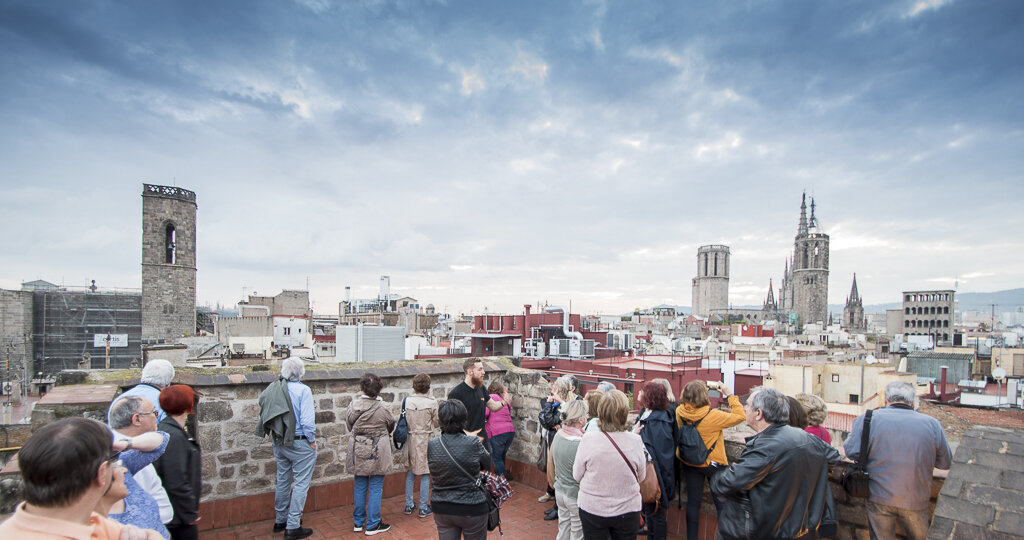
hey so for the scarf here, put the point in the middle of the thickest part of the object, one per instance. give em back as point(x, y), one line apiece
point(572, 433)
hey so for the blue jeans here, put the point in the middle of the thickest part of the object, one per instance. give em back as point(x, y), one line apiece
point(367, 501)
point(294, 470)
point(410, 487)
point(499, 445)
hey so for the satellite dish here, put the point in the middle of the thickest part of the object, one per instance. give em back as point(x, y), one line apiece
point(999, 373)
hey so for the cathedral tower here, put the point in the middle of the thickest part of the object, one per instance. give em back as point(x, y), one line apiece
point(711, 286)
point(168, 262)
point(853, 313)
point(807, 278)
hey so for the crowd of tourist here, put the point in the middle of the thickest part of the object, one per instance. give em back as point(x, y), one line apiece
point(611, 474)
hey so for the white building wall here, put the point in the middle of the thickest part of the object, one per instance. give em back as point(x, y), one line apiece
point(290, 331)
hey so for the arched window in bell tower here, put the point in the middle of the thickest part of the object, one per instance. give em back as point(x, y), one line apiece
point(169, 244)
point(716, 264)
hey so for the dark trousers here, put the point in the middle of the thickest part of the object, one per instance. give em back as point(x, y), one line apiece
point(695, 495)
point(450, 527)
point(621, 527)
point(657, 523)
point(184, 532)
point(500, 444)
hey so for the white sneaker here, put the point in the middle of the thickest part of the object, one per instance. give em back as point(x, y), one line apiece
point(545, 498)
point(357, 528)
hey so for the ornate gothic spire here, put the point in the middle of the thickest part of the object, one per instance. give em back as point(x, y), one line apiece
point(769, 303)
point(802, 230)
point(854, 296)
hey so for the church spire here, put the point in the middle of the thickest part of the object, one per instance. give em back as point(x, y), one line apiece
point(802, 230)
point(854, 296)
point(769, 303)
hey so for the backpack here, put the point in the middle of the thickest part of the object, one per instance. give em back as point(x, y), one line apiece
point(690, 444)
point(401, 433)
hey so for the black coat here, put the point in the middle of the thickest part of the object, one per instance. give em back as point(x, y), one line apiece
point(659, 435)
point(180, 470)
point(448, 483)
point(778, 488)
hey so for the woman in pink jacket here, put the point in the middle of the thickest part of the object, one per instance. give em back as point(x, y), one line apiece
point(499, 427)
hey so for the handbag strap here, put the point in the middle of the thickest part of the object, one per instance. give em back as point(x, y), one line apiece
point(862, 459)
point(624, 458)
point(403, 405)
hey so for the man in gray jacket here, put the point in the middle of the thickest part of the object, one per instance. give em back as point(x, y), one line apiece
point(904, 446)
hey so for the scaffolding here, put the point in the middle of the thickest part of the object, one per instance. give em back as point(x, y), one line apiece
point(70, 328)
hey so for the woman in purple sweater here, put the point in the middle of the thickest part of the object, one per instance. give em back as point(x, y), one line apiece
point(499, 427)
point(609, 497)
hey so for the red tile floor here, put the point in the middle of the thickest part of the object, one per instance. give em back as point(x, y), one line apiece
point(522, 518)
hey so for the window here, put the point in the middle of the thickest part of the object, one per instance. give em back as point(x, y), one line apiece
point(906, 324)
point(835, 377)
point(945, 310)
point(169, 244)
point(906, 297)
point(287, 331)
point(854, 399)
point(716, 264)
point(819, 378)
point(906, 311)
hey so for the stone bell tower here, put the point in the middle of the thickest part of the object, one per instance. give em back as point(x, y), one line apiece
point(711, 286)
point(168, 262)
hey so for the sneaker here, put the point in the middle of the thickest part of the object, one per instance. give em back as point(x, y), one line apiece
point(357, 528)
point(296, 534)
point(278, 527)
point(426, 511)
point(409, 508)
point(545, 498)
point(381, 527)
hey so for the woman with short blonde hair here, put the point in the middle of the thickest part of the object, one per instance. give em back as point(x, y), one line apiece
point(609, 465)
point(817, 412)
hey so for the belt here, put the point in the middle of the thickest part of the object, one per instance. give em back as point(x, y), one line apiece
point(297, 437)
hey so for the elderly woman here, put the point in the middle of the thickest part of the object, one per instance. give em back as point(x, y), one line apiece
point(695, 409)
point(369, 453)
point(456, 459)
point(657, 424)
point(593, 398)
point(797, 415)
point(421, 415)
point(817, 412)
point(610, 464)
point(180, 468)
point(563, 454)
point(499, 426)
point(562, 391)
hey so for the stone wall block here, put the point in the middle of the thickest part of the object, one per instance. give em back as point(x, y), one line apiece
point(952, 487)
point(325, 456)
point(262, 451)
point(235, 456)
point(325, 404)
point(990, 445)
point(226, 488)
point(248, 469)
point(1012, 480)
point(210, 438)
point(1000, 462)
point(975, 473)
point(324, 417)
point(215, 411)
point(1010, 522)
point(342, 402)
point(227, 472)
point(993, 496)
point(966, 512)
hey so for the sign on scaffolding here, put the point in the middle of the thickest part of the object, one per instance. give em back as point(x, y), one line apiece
point(116, 340)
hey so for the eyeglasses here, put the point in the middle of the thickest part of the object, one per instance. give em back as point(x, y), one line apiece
point(114, 456)
point(143, 413)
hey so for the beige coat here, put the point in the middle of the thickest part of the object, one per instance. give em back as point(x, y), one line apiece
point(421, 414)
point(369, 446)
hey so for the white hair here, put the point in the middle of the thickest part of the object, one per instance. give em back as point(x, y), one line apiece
point(605, 386)
point(898, 391)
point(292, 368)
point(158, 373)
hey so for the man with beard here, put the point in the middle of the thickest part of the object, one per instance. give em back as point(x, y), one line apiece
point(473, 395)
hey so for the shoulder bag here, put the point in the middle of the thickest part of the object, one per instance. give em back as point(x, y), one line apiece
point(856, 481)
point(493, 510)
point(650, 490)
point(401, 433)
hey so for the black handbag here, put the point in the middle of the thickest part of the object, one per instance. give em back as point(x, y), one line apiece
point(401, 433)
point(493, 510)
point(856, 480)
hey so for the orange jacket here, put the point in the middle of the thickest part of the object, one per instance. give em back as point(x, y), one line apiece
point(711, 427)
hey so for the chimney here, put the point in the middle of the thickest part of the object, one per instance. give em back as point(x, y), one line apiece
point(942, 383)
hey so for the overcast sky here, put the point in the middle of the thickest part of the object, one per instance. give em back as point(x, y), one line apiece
point(492, 154)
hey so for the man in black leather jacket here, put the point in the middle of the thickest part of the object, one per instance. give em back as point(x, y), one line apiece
point(778, 488)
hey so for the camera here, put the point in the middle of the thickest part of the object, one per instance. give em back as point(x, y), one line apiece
point(714, 385)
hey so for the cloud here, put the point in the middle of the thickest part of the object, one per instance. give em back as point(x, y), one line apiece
point(921, 6)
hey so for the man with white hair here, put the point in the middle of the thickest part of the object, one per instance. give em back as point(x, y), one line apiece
point(130, 417)
point(904, 447)
point(156, 375)
point(286, 412)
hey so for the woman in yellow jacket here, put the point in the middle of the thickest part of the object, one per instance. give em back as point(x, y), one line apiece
point(695, 408)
